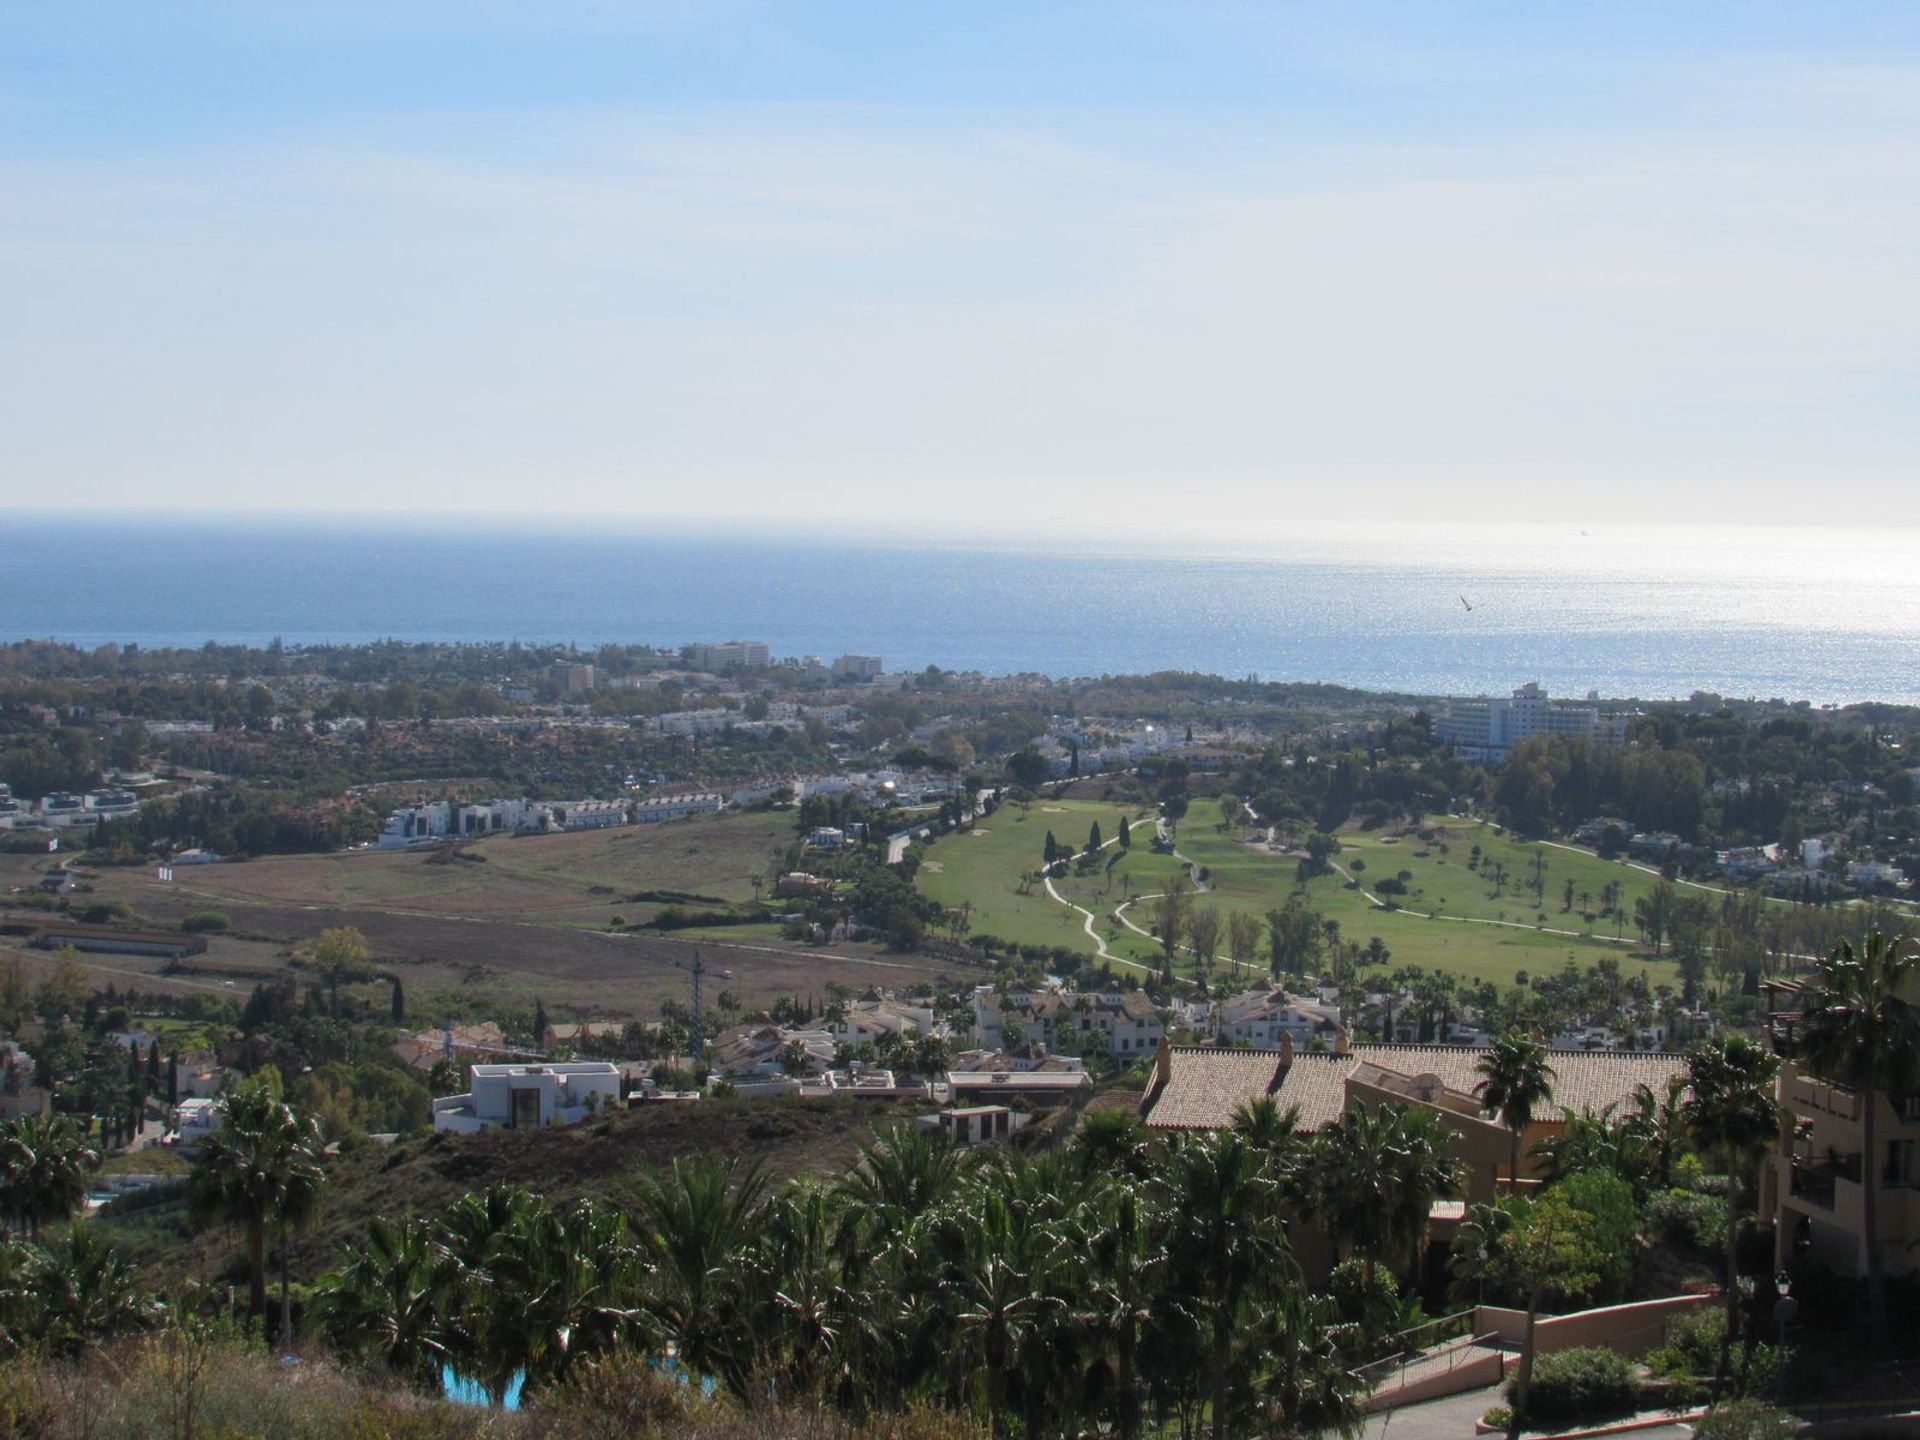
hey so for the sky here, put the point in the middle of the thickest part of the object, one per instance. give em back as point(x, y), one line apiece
point(970, 268)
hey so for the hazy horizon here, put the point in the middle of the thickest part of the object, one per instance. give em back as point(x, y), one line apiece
point(1097, 269)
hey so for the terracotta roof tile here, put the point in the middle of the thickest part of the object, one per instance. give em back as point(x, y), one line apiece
point(1205, 1087)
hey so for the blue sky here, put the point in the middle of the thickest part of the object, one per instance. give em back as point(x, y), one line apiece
point(1141, 266)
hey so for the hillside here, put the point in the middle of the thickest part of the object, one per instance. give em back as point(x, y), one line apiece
point(428, 1175)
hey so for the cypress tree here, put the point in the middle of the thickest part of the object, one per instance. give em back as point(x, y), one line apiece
point(399, 1003)
point(1052, 848)
point(1093, 839)
point(1126, 834)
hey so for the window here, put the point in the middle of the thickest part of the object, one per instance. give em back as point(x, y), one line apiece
point(1899, 1162)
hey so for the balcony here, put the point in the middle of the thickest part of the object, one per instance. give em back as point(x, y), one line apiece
point(1814, 1183)
point(1809, 1096)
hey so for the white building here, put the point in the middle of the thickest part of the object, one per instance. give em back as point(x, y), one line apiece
point(1262, 1019)
point(1870, 874)
point(196, 1120)
point(858, 667)
point(522, 1097)
point(447, 820)
point(674, 807)
point(1486, 730)
point(975, 1124)
point(733, 655)
point(871, 1021)
point(1120, 1023)
point(590, 814)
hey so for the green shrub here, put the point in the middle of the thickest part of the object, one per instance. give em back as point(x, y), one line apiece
point(206, 922)
point(1745, 1420)
point(1581, 1384)
point(1688, 1220)
point(1692, 1347)
point(1372, 1310)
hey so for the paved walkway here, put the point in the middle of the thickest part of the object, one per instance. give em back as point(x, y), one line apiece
point(1453, 1417)
point(1449, 1418)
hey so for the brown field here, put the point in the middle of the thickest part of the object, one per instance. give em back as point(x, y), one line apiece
point(530, 922)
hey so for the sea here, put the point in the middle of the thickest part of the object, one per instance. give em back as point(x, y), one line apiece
point(1824, 615)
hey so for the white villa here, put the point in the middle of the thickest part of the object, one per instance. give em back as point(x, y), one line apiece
point(521, 1097)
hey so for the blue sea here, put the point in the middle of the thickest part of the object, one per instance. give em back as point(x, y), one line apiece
point(1826, 615)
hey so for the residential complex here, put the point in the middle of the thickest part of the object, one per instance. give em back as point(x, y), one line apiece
point(450, 820)
point(1121, 1023)
point(1201, 1088)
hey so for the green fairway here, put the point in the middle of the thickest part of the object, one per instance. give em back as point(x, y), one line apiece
point(1437, 923)
point(994, 866)
point(1442, 891)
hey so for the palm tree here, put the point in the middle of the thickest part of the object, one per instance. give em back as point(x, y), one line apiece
point(1229, 1249)
point(1732, 1109)
point(902, 1174)
point(1517, 1081)
point(1600, 1142)
point(264, 1166)
point(1661, 1120)
point(44, 1160)
point(1000, 1294)
point(1862, 1030)
point(1109, 1142)
point(1265, 1124)
point(1124, 1282)
point(696, 1220)
point(383, 1305)
point(1373, 1175)
point(87, 1292)
point(1308, 1387)
point(19, 1294)
point(481, 1326)
point(797, 1307)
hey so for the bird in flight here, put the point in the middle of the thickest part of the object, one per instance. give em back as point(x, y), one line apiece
point(1466, 602)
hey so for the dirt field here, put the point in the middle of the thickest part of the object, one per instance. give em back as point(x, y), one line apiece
point(530, 922)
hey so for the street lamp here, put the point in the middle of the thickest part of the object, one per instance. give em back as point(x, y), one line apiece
point(1785, 1311)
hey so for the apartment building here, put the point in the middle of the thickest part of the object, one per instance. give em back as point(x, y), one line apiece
point(1262, 1018)
point(1486, 730)
point(730, 655)
point(1120, 1023)
point(1814, 1181)
point(572, 680)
